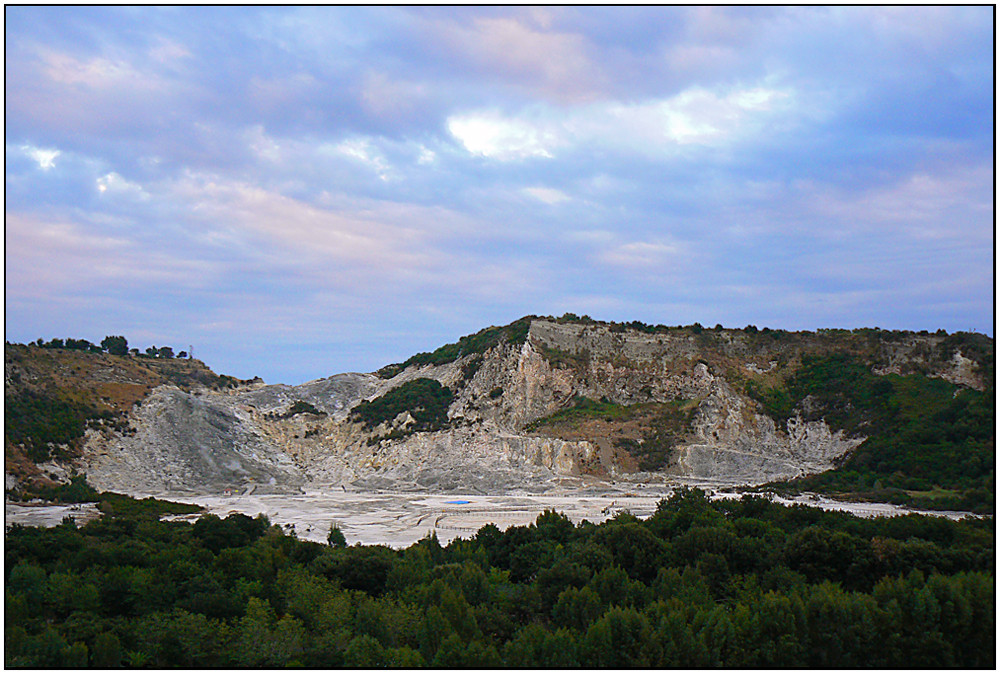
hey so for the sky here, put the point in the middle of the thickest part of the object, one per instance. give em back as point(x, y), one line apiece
point(298, 192)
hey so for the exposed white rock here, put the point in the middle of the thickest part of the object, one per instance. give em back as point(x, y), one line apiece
point(244, 439)
point(962, 371)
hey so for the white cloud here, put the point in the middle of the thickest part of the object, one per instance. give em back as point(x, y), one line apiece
point(546, 195)
point(262, 144)
point(490, 135)
point(696, 116)
point(114, 183)
point(362, 150)
point(46, 158)
point(426, 156)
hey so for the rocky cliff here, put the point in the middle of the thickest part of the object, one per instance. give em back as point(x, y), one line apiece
point(520, 407)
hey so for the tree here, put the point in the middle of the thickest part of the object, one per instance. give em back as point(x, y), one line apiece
point(621, 638)
point(107, 653)
point(366, 652)
point(335, 538)
point(116, 345)
point(165, 352)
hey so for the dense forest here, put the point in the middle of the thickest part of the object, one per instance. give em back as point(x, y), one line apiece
point(700, 583)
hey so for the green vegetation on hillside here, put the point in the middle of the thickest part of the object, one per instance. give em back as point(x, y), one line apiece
point(303, 407)
point(578, 360)
point(736, 584)
point(929, 443)
point(55, 391)
point(480, 342)
point(426, 400)
point(78, 490)
point(655, 448)
point(584, 408)
point(45, 424)
point(662, 426)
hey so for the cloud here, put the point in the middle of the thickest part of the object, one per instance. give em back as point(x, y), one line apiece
point(362, 150)
point(391, 98)
point(936, 203)
point(169, 53)
point(97, 73)
point(641, 254)
point(554, 65)
point(380, 241)
point(113, 183)
point(60, 256)
point(546, 195)
point(46, 158)
point(694, 117)
point(490, 135)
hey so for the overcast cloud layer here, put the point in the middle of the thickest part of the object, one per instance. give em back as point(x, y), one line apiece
point(300, 192)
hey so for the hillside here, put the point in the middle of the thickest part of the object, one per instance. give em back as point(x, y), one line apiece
point(543, 402)
point(54, 396)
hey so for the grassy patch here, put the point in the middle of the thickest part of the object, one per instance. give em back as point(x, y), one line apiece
point(78, 490)
point(584, 408)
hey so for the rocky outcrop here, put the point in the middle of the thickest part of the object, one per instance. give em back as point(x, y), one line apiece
point(187, 442)
point(734, 443)
point(258, 437)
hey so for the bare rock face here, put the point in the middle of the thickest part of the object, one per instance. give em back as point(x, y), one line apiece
point(733, 443)
point(962, 371)
point(187, 442)
point(334, 395)
point(259, 436)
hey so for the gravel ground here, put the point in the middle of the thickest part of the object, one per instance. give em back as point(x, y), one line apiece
point(48, 515)
point(398, 519)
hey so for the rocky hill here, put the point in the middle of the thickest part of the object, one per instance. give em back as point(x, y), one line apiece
point(536, 403)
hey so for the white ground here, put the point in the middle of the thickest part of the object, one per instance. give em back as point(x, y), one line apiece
point(402, 518)
point(48, 515)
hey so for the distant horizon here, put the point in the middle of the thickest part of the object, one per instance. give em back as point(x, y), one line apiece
point(296, 190)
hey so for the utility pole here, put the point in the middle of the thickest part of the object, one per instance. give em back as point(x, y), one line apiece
point(190, 351)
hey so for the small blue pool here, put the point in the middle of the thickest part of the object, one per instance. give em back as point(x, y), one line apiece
point(458, 502)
